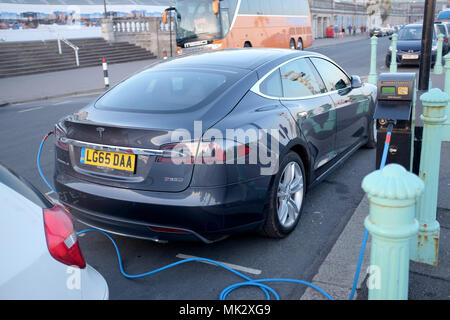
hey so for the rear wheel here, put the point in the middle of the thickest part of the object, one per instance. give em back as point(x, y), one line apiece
point(372, 143)
point(300, 44)
point(285, 198)
point(292, 44)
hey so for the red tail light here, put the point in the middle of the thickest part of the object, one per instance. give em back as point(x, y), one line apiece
point(445, 40)
point(61, 238)
point(203, 152)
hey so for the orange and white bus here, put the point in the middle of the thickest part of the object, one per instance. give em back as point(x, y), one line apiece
point(220, 24)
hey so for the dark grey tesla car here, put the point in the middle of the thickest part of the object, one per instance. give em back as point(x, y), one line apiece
point(207, 145)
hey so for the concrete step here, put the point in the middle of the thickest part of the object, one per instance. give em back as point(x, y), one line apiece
point(35, 57)
point(71, 63)
point(56, 68)
point(105, 52)
point(64, 48)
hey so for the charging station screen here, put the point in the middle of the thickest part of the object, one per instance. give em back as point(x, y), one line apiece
point(388, 90)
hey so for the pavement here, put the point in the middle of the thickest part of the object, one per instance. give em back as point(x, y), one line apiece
point(88, 80)
point(325, 42)
point(426, 282)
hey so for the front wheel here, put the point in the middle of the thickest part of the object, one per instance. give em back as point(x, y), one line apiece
point(286, 197)
point(388, 62)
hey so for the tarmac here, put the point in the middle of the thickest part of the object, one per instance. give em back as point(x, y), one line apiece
point(336, 273)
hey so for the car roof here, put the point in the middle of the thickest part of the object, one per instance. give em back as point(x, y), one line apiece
point(248, 58)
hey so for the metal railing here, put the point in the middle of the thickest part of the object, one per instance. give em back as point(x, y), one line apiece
point(70, 44)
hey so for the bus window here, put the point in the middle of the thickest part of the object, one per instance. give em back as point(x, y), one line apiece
point(225, 21)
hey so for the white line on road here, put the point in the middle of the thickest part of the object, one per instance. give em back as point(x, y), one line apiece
point(232, 266)
point(31, 109)
point(62, 102)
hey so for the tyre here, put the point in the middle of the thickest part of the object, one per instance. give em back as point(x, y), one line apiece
point(372, 143)
point(292, 44)
point(300, 44)
point(286, 197)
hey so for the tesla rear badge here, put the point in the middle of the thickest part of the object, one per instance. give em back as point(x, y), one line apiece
point(100, 132)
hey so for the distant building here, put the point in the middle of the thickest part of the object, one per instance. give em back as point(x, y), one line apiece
point(325, 13)
point(409, 11)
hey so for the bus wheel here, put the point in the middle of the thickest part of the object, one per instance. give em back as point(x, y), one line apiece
point(247, 44)
point(292, 44)
point(300, 44)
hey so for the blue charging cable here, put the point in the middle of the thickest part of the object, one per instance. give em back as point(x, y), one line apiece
point(38, 161)
point(249, 282)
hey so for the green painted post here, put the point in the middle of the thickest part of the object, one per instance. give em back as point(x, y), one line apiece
point(438, 63)
point(373, 61)
point(446, 125)
point(425, 247)
point(393, 66)
point(392, 192)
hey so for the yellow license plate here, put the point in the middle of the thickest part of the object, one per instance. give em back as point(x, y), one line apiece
point(114, 160)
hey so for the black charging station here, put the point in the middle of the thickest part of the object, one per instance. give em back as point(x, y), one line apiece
point(395, 104)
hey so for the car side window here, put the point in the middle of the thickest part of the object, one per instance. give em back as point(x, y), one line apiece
point(332, 75)
point(300, 79)
point(271, 86)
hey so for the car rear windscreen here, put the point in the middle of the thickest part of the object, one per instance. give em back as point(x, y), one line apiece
point(167, 90)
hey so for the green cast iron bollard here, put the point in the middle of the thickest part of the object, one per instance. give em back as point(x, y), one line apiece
point(425, 247)
point(438, 63)
point(373, 61)
point(392, 192)
point(393, 66)
point(446, 126)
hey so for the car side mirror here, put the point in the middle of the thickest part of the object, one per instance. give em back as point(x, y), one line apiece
point(356, 82)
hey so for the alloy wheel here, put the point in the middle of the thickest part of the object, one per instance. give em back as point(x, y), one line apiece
point(290, 194)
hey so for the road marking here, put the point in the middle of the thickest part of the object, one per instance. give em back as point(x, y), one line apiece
point(232, 266)
point(62, 102)
point(31, 109)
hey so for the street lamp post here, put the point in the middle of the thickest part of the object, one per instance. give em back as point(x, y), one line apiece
point(427, 36)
